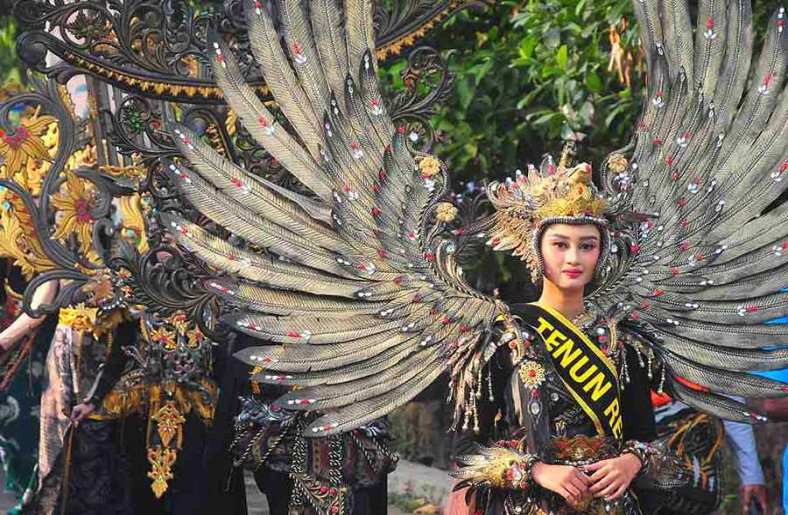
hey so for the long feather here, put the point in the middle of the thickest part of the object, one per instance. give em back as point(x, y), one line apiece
point(262, 125)
point(280, 78)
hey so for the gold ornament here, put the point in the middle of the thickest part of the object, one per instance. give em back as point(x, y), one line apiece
point(79, 317)
point(100, 289)
point(169, 424)
point(161, 461)
point(74, 204)
point(429, 166)
point(617, 163)
point(532, 374)
point(445, 212)
point(87, 319)
point(18, 240)
point(164, 337)
point(25, 143)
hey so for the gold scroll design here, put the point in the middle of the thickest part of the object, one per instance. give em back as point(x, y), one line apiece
point(133, 222)
point(18, 240)
point(169, 426)
point(27, 153)
point(28, 150)
point(132, 395)
point(161, 461)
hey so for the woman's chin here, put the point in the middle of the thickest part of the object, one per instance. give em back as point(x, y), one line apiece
point(570, 284)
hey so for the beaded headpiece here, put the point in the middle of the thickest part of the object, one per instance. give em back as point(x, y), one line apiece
point(529, 203)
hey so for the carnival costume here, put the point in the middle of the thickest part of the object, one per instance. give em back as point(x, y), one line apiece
point(360, 288)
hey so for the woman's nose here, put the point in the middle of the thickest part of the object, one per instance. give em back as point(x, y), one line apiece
point(572, 255)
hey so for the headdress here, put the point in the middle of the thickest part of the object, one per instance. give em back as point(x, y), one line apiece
point(531, 202)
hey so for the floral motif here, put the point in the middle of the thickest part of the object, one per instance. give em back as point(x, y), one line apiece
point(18, 240)
point(25, 143)
point(74, 204)
point(429, 166)
point(169, 424)
point(100, 289)
point(79, 318)
point(445, 212)
point(617, 163)
point(164, 337)
point(88, 319)
point(161, 461)
point(532, 374)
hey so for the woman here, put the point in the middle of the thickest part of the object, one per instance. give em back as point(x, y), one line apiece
point(573, 418)
point(363, 296)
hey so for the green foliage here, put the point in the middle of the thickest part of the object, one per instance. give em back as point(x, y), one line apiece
point(10, 71)
point(529, 76)
point(532, 74)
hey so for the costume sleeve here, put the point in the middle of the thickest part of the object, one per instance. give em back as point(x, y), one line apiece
point(638, 413)
point(491, 426)
point(489, 458)
point(742, 441)
point(125, 335)
point(660, 467)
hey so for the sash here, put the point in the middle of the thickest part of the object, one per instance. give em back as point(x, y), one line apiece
point(588, 374)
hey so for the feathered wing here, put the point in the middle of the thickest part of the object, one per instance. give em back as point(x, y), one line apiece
point(363, 301)
point(704, 271)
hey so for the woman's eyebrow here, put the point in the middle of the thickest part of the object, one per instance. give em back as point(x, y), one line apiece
point(589, 238)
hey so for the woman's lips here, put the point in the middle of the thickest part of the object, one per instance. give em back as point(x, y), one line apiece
point(574, 274)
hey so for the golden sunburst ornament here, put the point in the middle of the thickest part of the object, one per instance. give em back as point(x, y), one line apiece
point(445, 212)
point(429, 166)
point(532, 374)
point(24, 143)
point(74, 203)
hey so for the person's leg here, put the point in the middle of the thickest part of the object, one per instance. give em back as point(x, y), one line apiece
point(370, 500)
point(277, 488)
point(96, 472)
point(135, 449)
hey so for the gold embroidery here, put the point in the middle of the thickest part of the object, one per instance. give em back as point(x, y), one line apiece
point(169, 424)
point(161, 461)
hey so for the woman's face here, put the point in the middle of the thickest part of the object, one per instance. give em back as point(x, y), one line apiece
point(570, 254)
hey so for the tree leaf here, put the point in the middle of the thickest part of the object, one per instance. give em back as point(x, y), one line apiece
point(562, 56)
point(593, 82)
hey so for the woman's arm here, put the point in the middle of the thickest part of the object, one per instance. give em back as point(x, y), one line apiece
point(24, 323)
point(638, 412)
point(612, 477)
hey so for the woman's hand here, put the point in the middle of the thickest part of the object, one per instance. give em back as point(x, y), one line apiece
point(567, 481)
point(6, 344)
point(610, 478)
point(81, 411)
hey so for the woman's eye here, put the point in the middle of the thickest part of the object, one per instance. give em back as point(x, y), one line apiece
point(560, 244)
point(588, 246)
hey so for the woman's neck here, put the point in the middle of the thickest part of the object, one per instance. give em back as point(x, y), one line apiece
point(568, 302)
